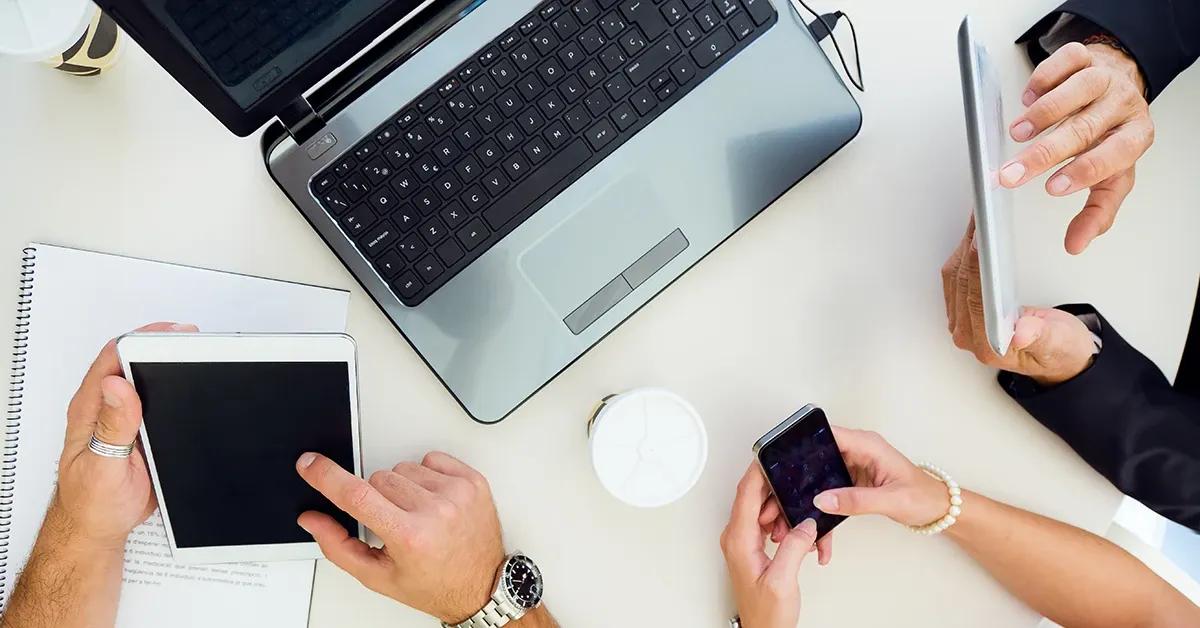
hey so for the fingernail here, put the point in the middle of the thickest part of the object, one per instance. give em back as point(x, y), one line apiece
point(808, 526)
point(306, 460)
point(300, 522)
point(1023, 131)
point(1028, 98)
point(1059, 184)
point(110, 399)
point(826, 502)
point(1013, 173)
point(185, 327)
point(975, 243)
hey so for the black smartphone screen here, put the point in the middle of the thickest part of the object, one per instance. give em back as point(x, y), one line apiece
point(225, 438)
point(801, 463)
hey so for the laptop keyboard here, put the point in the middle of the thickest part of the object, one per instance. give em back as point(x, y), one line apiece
point(237, 39)
point(460, 167)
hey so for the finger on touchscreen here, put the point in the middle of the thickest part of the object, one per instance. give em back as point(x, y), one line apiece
point(352, 555)
point(349, 492)
point(825, 549)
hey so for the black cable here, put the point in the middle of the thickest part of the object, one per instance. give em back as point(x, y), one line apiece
point(823, 27)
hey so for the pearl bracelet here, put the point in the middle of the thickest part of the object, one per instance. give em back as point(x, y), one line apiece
point(939, 526)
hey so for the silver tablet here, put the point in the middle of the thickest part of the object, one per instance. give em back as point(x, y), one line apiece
point(993, 203)
point(225, 418)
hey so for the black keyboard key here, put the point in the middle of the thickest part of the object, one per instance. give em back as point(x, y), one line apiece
point(419, 137)
point(469, 72)
point(660, 79)
point(404, 183)
point(385, 136)
point(545, 42)
point(428, 102)
point(601, 134)
point(572, 89)
point(474, 198)
point(645, 14)
point(689, 32)
point(447, 151)
point(496, 182)
point(508, 40)
point(632, 41)
point(408, 285)
point(334, 202)
point(654, 59)
point(530, 23)
point(530, 87)
point(551, 72)
point(674, 11)
point(709, 18)
point(489, 55)
point(383, 200)
point(343, 168)
point(389, 264)
point(406, 217)
point(461, 105)
point(440, 121)
point(503, 72)
point(613, 58)
point(355, 187)
point(711, 49)
point(524, 56)
point(468, 169)
point(399, 155)
point(429, 269)
point(536, 150)
point(358, 219)
point(407, 118)
point(597, 103)
point(365, 150)
point(612, 24)
point(644, 101)
point(510, 137)
point(447, 86)
point(742, 26)
point(510, 103)
point(586, 10)
point(727, 7)
point(557, 134)
point(489, 153)
point(666, 92)
point(454, 215)
point(543, 179)
point(467, 135)
point(516, 166)
point(447, 185)
point(760, 10)
point(427, 167)
point(433, 231)
point(564, 25)
point(427, 201)
point(531, 120)
point(482, 89)
point(550, 10)
point(412, 247)
point(592, 73)
point(578, 119)
point(592, 40)
point(323, 182)
point(449, 252)
point(488, 119)
point(625, 116)
point(377, 171)
point(683, 70)
point(379, 239)
point(692, 5)
point(571, 55)
point(551, 105)
point(473, 234)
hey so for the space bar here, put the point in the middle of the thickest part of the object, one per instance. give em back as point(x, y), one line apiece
point(541, 181)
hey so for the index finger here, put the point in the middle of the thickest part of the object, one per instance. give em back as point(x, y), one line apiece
point(1057, 68)
point(352, 494)
point(752, 491)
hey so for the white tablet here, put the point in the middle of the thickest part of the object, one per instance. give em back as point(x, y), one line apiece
point(224, 419)
point(993, 205)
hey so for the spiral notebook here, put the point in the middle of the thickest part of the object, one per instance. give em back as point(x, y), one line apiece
point(70, 302)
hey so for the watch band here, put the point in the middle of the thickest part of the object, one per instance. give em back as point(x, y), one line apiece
point(735, 621)
point(498, 612)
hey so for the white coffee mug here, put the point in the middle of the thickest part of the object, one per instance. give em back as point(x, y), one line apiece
point(648, 446)
point(71, 35)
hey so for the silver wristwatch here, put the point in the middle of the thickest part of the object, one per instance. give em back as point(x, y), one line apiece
point(518, 590)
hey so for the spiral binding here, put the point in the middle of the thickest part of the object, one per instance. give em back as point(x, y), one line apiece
point(12, 421)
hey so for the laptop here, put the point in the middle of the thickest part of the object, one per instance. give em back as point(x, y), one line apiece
point(510, 180)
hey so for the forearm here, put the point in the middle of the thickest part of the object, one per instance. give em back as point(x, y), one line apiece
point(1072, 577)
point(66, 583)
point(539, 617)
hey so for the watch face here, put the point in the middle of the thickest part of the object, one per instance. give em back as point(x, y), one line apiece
point(523, 581)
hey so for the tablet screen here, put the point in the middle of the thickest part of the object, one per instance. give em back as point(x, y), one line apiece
point(225, 437)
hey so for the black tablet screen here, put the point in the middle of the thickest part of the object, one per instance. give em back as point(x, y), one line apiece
point(225, 438)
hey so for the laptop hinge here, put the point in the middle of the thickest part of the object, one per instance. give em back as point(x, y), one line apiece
point(301, 120)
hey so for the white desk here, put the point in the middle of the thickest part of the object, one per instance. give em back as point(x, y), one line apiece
point(831, 296)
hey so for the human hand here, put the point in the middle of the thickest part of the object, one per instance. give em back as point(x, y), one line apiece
point(1050, 346)
point(1096, 96)
point(442, 546)
point(767, 593)
point(885, 483)
point(100, 500)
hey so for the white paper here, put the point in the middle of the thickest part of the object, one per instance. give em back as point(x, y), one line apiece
point(80, 301)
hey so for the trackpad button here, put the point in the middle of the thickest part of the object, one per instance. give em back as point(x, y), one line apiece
point(588, 251)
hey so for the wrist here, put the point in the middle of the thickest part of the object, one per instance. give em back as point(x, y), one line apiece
point(62, 534)
point(536, 618)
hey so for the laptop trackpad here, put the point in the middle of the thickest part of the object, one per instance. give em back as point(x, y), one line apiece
point(601, 253)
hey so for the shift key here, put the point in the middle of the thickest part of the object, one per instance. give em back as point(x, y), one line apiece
point(711, 49)
point(654, 59)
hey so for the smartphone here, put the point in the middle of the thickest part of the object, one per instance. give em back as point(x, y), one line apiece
point(800, 459)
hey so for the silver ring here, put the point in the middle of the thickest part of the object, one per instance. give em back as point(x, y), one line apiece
point(108, 450)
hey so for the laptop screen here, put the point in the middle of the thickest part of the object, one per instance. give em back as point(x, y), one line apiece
point(249, 46)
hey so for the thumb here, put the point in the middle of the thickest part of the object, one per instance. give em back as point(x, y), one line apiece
point(120, 414)
point(1034, 335)
point(853, 501)
point(792, 550)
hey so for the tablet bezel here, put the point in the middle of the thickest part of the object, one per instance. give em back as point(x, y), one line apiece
point(993, 204)
point(140, 347)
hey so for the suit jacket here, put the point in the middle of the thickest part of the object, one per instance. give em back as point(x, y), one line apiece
point(1122, 415)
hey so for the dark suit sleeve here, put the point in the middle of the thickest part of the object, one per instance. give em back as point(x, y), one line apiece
point(1124, 418)
point(1163, 35)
